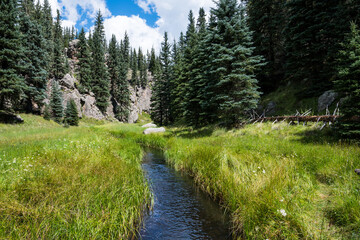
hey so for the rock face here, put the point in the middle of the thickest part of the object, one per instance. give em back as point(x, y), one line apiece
point(154, 130)
point(326, 99)
point(149, 125)
point(86, 103)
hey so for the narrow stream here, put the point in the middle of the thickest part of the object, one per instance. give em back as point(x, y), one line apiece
point(181, 210)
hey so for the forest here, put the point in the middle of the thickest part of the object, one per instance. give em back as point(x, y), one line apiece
point(66, 175)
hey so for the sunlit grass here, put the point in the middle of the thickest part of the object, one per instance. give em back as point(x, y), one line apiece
point(277, 181)
point(68, 183)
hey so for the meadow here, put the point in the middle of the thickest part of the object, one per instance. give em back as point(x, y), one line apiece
point(69, 183)
point(276, 181)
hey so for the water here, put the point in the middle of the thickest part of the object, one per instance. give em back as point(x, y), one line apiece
point(181, 211)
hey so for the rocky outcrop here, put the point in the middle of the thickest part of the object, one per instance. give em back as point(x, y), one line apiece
point(154, 130)
point(149, 125)
point(326, 99)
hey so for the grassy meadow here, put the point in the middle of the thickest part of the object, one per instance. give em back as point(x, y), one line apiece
point(276, 181)
point(68, 183)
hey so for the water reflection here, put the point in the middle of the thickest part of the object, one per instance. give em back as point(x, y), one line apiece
point(180, 211)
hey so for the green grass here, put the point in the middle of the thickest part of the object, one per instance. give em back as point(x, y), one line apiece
point(276, 181)
point(69, 183)
point(263, 171)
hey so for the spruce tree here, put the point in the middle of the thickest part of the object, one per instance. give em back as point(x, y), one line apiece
point(59, 58)
point(126, 50)
point(12, 84)
point(161, 98)
point(71, 114)
point(152, 61)
point(48, 31)
point(56, 104)
point(35, 57)
point(142, 69)
point(267, 20)
point(84, 64)
point(348, 85)
point(47, 114)
point(134, 69)
point(235, 91)
point(101, 84)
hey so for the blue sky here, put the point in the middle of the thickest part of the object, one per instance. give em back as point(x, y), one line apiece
point(145, 21)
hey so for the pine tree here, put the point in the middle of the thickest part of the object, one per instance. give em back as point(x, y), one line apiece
point(152, 61)
point(47, 115)
point(234, 86)
point(35, 57)
point(161, 98)
point(268, 19)
point(71, 114)
point(348, 85)
point(101, 83)
point(48, 31)
point(84, 64)
point(56, 105)
point(59, 58)
point(134, 69)
point(11, 82)
point(126, 50)
point(142, 69)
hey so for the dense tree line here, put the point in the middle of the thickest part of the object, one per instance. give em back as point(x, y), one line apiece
point(33, 51)
point(209, 76)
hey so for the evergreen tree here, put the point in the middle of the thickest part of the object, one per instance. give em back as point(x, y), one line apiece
point(59, 58)
point(11, 82)
point(126, 50)
point(71, 114)
point(47, 115)
point(35, 57)
point(348, 85)
point(101, 83)
point(84, 64)
point(134, 69)
point(142, 69)
point(56, 105)
point(48, 32)
point(268, 19)
point(152, 61)
point(234, 87)
point(161, 98)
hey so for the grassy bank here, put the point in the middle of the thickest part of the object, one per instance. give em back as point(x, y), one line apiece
point(277, 181)
point(68, 183)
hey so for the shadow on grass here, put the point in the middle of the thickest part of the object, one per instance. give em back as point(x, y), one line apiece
point(194, 133)
point(311, 136)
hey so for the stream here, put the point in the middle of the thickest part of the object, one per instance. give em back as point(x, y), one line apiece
point(181, 210)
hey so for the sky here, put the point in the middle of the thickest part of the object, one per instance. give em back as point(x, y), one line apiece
point(145, 21)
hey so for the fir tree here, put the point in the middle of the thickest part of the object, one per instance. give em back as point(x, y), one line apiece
point(35, 57)
point(134, 69)
point(348, 85)
point(126, 50)
point(235, 91)
point(48, 31)
point(152, 61)
point(84, 63)
point(161, 98)
point(59, 58)
point(56, 105)
point(11, 82)
point(71, 114)
point(47, 115)
point(101, 83)
point(142, 69)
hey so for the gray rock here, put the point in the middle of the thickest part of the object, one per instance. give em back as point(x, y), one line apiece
point(72, 49)
point(149, 125)
point(6, 117)
point(271, 108)
point(326, 99)
point(154, 130)
point(140, 101)
point(68, 81)
point(89, 108)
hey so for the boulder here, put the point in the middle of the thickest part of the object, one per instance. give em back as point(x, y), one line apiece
point(72, 49)
point(326, 99)
point(6, 117)
point(271, 108)
point(154, 130)
point(90, 109)
point(149, 125)
point(68, 81)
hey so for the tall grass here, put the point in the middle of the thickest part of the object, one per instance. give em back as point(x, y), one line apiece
point(75, 183)
point(277, 181)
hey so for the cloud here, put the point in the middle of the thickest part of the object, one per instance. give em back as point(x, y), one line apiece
point(174, 13)
point(140, 34)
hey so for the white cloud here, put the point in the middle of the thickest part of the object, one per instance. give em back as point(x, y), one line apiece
point(174, 13)
point(140, 34)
